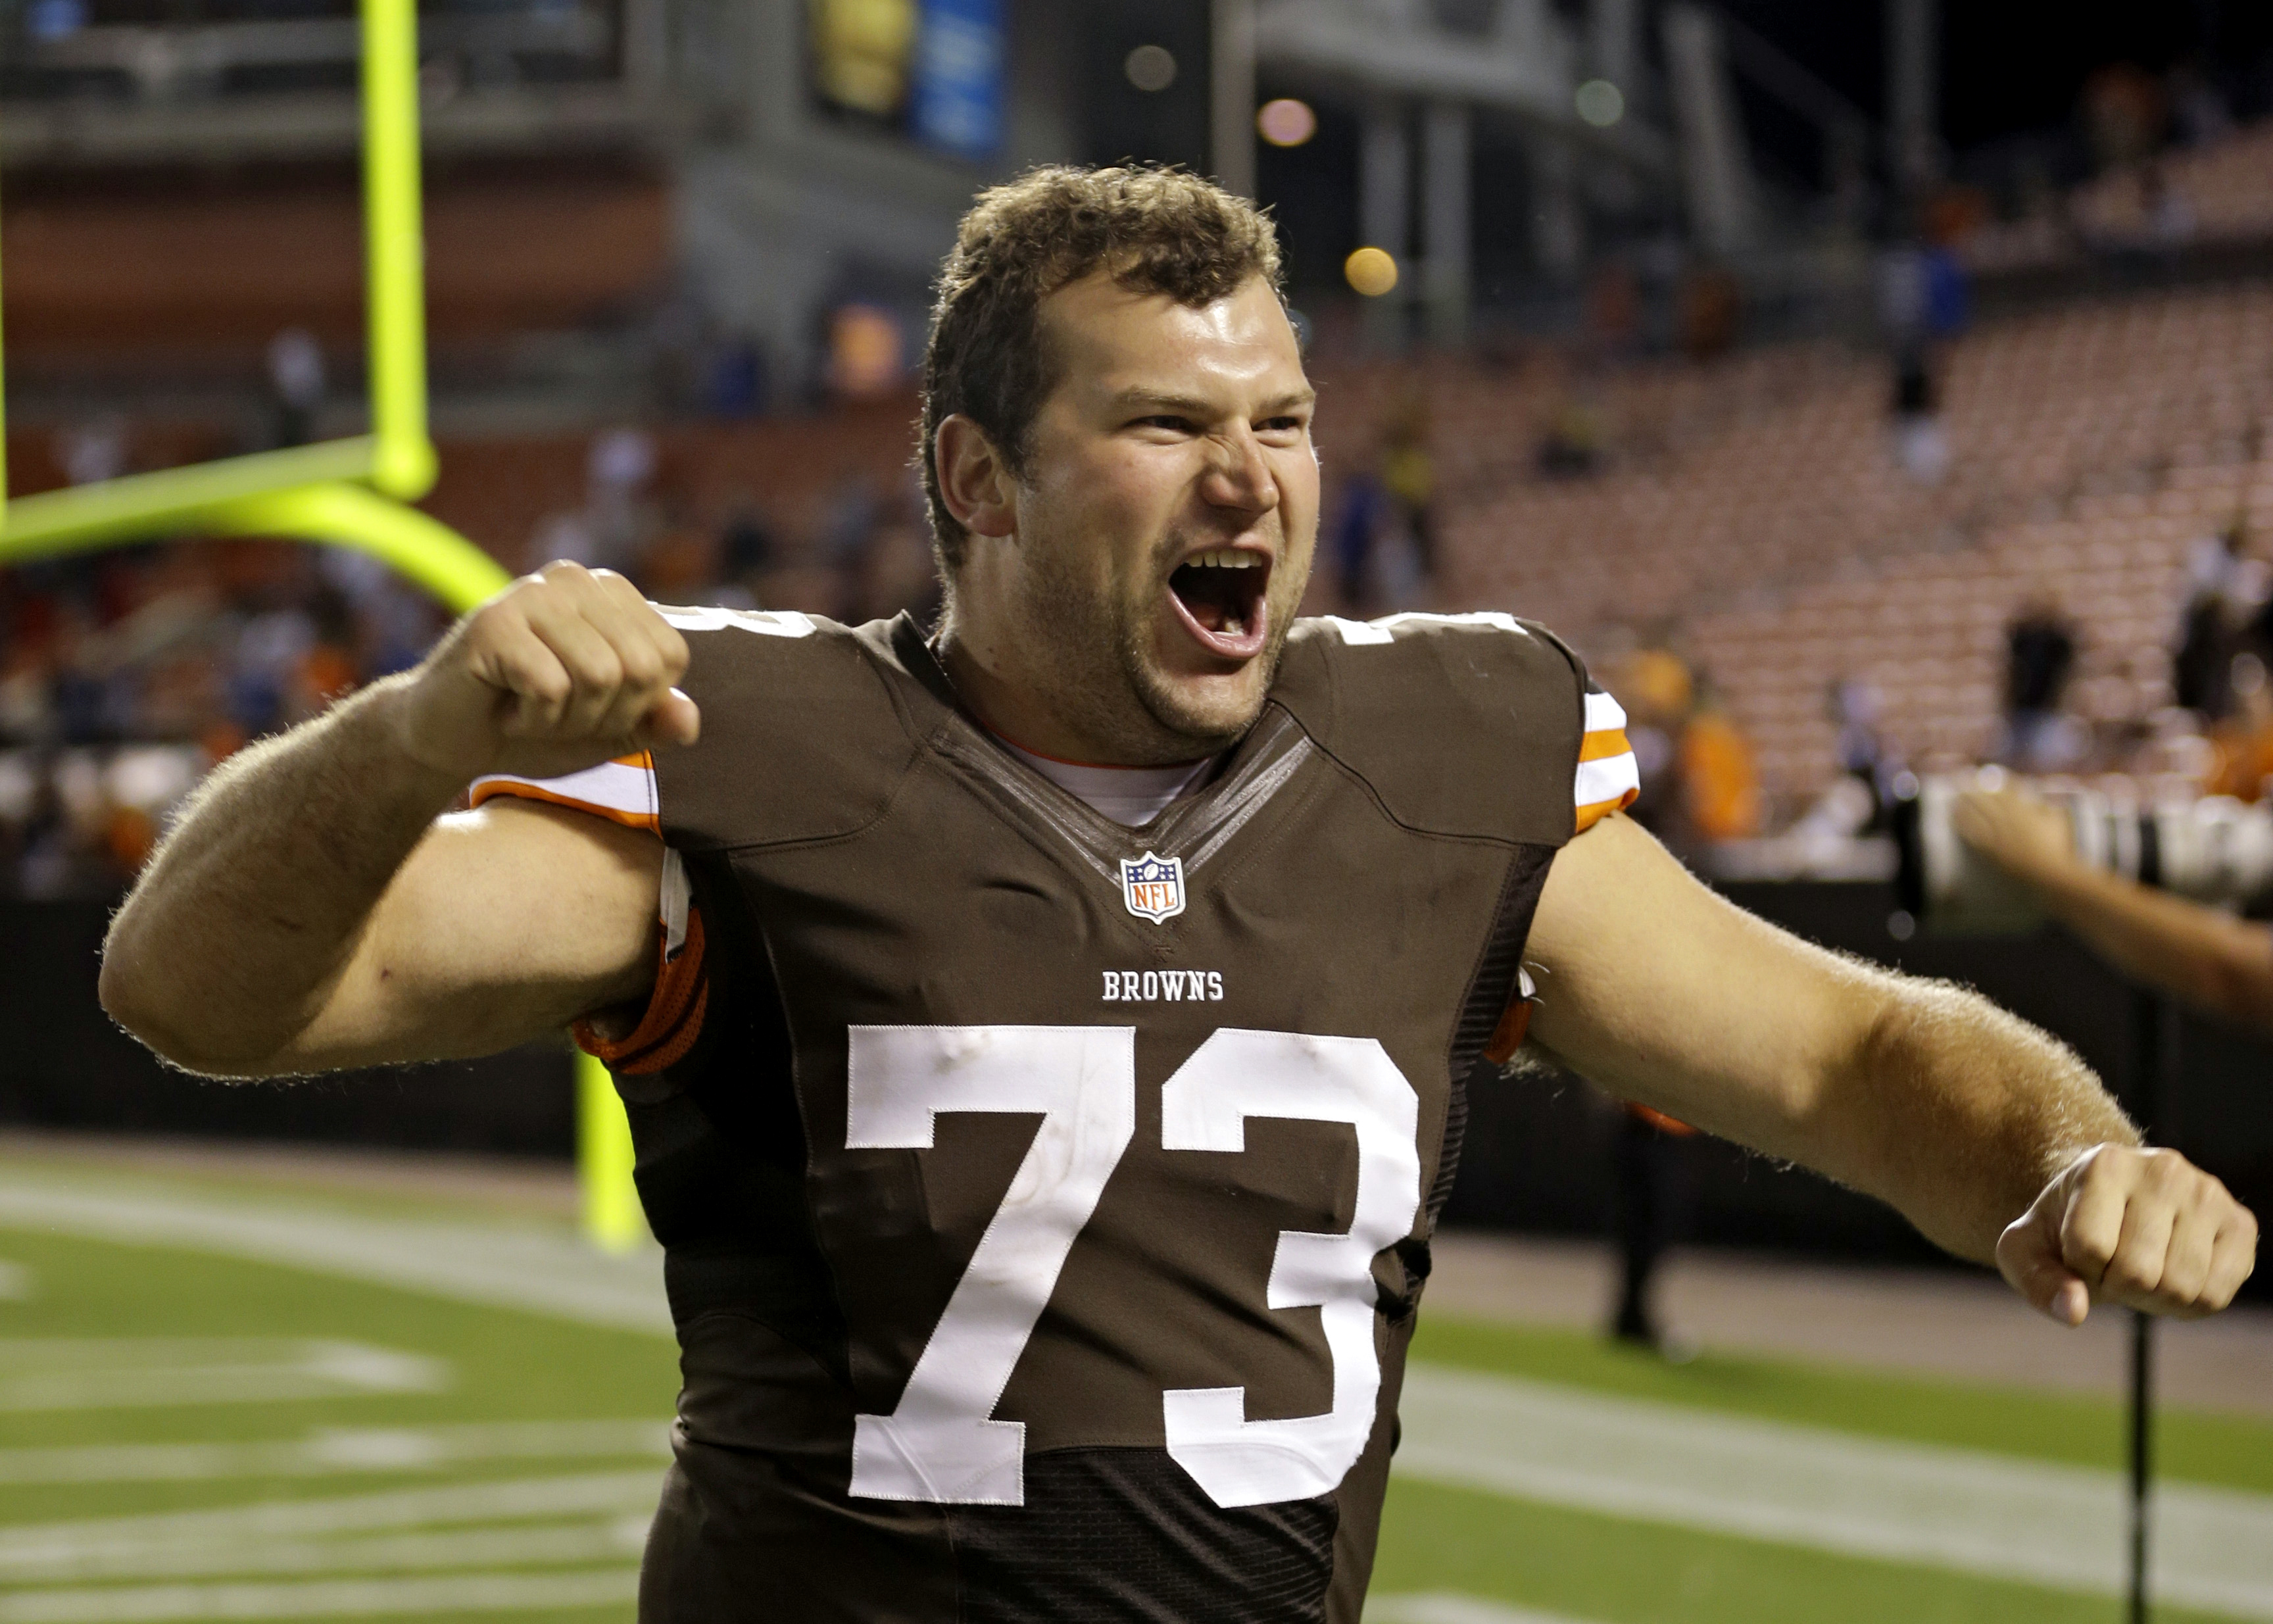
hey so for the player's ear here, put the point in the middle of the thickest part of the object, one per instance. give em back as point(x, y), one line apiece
point(974, 481)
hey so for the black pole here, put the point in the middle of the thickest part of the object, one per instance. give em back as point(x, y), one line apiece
point(2154, 1078)
point(2142, 1438)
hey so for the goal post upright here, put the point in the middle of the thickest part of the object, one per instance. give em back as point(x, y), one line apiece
point(352, 492)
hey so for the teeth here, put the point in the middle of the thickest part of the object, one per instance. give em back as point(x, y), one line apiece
point(1226, 558)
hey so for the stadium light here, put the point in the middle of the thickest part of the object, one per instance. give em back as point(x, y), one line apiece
point(1285, 121)
point(349, 492)
point(1371, 271)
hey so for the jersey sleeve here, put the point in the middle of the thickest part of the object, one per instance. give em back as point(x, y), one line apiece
point(1608, 779)
point(623, 791)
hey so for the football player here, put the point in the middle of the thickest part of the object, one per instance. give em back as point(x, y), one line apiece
point(1045, 1036)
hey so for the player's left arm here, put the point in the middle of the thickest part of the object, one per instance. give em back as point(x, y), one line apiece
point(1988, 1134)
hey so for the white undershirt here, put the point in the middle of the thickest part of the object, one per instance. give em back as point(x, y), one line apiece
point(1130, 795)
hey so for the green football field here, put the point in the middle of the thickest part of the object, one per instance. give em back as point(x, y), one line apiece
point(227, 1397)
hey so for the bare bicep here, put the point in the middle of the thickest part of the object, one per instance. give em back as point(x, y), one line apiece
point(1664, 992)
point(505, 923)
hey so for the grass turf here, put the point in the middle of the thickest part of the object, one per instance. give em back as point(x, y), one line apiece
point(510, 1365)
point(2235, 1451)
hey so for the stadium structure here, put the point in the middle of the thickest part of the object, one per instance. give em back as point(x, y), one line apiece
point(1752, 370)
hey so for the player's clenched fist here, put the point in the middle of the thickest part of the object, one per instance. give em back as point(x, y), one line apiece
point(561, 670)
point(2145, 1228)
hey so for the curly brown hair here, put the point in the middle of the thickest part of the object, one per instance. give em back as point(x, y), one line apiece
point(1156, 230)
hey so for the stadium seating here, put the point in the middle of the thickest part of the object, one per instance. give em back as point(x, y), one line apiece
point(1756, 510)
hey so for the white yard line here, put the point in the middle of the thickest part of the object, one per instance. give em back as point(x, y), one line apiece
point(480, 1592)
point(1443, 1607)
point(339, 1451)
point(546, 1271)
point(27, 1546)
point(564, 1545)
point(124, 1373)
point(2056, 1526)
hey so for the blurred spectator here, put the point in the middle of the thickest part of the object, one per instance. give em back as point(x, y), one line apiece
point(1613, 313)
point(1657, 688)
point(1572, 445)
point(1647, 1216)
point(1920, 442)
point(1720, 776)
point(1710, 311)
point(2244, 741)
point(1408, 473)
point(2200, 113)
point(2168, 217)
point(611, 530)
point(94, 451)
point(1865, 759)
point(1357, 524)
point(2040, 655)
point(296, 381)
point(2222, 593)
point(124, 676)
point(2125, 114)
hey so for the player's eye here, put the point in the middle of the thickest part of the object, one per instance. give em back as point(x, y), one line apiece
point(1166, 420)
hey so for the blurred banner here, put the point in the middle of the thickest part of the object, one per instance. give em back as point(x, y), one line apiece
point(932, 69)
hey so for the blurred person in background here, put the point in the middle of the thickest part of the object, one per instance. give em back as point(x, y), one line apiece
point(1357, 526)
point(2244, 740)
point(2039, 657)
point(1657, 688)
point(2212, 961)
point(1408, 474)
point(2220, 602)
point(1649, 1218)
point(1720, 773)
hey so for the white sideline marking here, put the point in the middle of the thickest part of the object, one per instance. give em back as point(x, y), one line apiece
point(2061, 1527)
point(2055, 1526)
point(566, 1545)
point(517, 1500)
point(1444, 1608)
point(15, 1282)
point(338, 1452)
point(124, 1373)
point(495, 1266)
point(479, 1592)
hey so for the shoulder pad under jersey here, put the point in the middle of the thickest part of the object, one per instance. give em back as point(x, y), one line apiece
point(1465, 724)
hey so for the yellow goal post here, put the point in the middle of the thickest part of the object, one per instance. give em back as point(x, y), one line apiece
point(353, 493)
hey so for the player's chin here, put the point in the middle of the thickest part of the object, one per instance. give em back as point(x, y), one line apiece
point(1209, 707)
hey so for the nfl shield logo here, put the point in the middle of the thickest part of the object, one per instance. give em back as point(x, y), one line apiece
point(1154, 887)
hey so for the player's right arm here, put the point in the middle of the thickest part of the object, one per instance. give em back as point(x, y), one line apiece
point(314, 908)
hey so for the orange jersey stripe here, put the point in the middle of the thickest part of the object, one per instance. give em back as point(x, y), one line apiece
point(1588, 816)
point(673, 1018)
point(1604, 744)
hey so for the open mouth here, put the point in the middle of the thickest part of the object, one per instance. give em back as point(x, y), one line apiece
point(1220, 593)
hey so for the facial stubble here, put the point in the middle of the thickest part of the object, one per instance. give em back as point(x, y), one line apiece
point(1104, 684)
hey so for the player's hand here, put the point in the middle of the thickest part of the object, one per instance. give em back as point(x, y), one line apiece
point(2013, 830)
point(563, 670)
point(2144, 1229)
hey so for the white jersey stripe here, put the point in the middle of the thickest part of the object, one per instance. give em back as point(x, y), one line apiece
point(1606, 779)
point(1603, 713)
point(613, 786)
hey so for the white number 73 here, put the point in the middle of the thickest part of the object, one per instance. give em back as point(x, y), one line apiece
point(939, 1443)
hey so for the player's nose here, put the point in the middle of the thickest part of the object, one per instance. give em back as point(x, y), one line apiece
point(1239, 475)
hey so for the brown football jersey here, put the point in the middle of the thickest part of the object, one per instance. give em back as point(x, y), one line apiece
point(1045, 1202)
